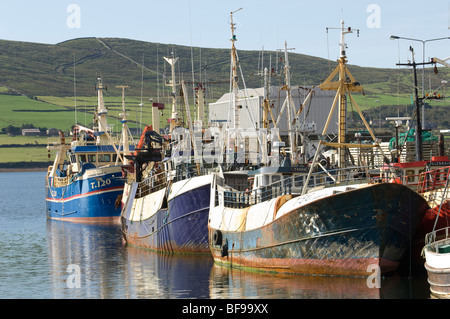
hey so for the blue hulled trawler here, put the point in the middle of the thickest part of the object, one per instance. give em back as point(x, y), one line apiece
point(85, 182)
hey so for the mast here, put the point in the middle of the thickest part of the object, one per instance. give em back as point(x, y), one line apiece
point(344, 86)
point(288, 104)
point(200, 101)
point(124, 138)
point(266, 105)
point(174, 119)
point(235, 138)
point(342, 125)
point(234, 76)
point(188, 114)
point(102, 111)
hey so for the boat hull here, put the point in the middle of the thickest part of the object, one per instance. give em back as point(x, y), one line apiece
point(179, 226)
point(437, 264)
point(90, 199)
point(350, 233)
point(439, 280)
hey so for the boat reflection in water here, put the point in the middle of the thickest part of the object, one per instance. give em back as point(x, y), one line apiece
point(228, 283)
point(157, 275)
point(108, 269)
point(235, 283)
point(92, 251)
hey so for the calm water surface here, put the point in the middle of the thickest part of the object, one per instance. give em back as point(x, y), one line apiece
point(39, 259)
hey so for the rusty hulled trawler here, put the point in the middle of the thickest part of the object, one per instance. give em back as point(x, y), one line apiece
point(342, 226)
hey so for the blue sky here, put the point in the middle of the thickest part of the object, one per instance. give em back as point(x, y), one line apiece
point(261, 23)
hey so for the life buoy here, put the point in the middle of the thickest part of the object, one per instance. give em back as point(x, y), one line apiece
point(217, 238)
point(395, 180)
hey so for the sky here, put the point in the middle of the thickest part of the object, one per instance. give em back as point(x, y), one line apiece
point(261, 24)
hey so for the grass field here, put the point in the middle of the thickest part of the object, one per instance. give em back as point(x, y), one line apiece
point(137, 116)
point(24, 154)
point(18, 110)
point(58, 112)
point(22, 140)
point(33, 150)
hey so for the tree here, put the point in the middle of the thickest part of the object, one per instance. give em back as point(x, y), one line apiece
point(11, 130)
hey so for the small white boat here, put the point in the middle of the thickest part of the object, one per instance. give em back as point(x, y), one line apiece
point(437, 256)
point(437, 245)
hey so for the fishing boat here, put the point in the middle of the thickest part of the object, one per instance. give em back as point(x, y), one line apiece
point(85, 182)
point(436, 251)
point(437, 265)
point(165, 209)
point(432, 186)
point(166, 200)
point(437, 255)
point(349, 225)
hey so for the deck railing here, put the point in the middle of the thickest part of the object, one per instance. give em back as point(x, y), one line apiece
point(152, 183)
point(441, 235)
point(433, 180)
point(294, 185)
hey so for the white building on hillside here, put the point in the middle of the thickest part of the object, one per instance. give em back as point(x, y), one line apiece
point(314, 114)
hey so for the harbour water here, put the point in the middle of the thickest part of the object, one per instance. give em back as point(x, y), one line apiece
point(44, 259)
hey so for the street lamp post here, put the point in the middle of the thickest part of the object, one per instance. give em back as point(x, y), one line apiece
point(394, 37)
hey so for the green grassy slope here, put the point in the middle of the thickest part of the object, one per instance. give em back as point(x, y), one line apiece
point(37, 81)
point(35, 69)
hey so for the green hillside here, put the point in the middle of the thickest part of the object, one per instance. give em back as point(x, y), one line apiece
point(37, 80)
point(35, 69)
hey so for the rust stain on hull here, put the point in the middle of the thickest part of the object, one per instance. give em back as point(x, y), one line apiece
point(339, 235)
point(336, 267)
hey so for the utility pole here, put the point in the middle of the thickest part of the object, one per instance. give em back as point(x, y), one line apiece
point(418, 139)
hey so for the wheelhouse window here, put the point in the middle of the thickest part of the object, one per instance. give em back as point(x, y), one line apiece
point(92, 158)
point(410, 175)
point(266, 180)
point(104, 158)
point(298, 181)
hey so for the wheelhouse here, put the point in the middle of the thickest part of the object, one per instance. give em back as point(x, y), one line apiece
point(92, 156)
